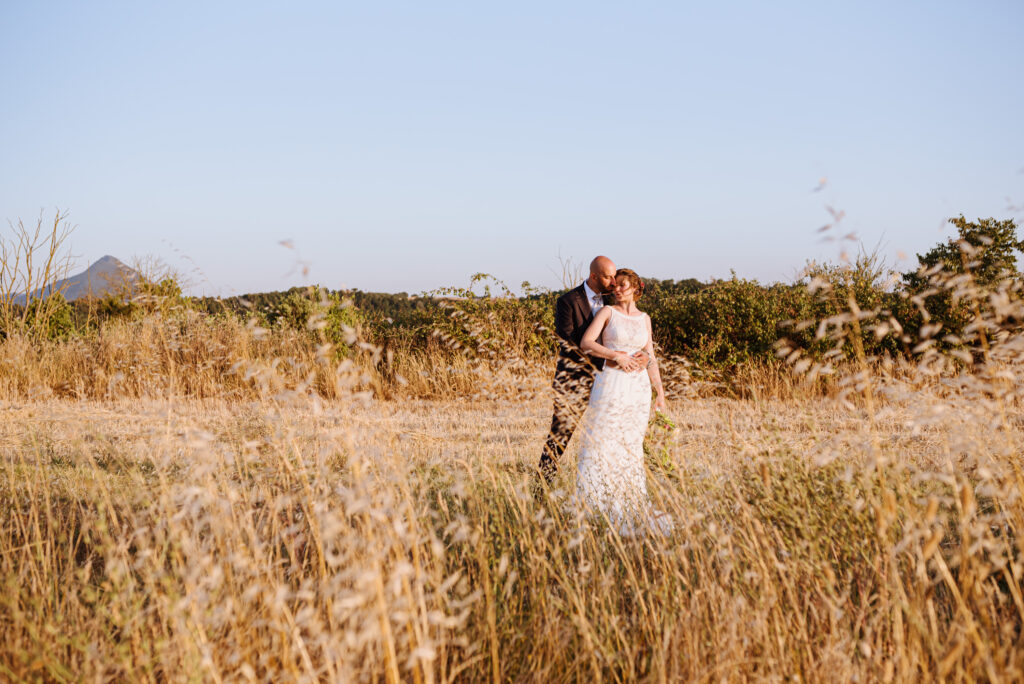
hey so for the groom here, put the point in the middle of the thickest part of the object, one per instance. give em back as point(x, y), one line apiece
point(574, 375)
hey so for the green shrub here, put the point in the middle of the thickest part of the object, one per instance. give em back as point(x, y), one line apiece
point(958, 281)
point(724, 324)
point(496, 326)
point(51, 317)
point(847, 301)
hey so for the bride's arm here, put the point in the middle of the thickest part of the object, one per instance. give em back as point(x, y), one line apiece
point(652, 368)
point(590, 345)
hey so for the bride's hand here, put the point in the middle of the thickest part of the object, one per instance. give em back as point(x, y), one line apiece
point(659, 403)
point(626, 362)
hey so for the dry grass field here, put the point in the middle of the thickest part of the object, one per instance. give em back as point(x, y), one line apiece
point(194, 497)
point(354, 539)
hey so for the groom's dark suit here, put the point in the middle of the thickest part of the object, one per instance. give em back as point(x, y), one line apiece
point(574, 376)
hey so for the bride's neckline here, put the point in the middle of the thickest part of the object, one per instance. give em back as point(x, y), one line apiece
point(638, 315)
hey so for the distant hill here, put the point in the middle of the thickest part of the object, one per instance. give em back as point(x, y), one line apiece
point(108, 274)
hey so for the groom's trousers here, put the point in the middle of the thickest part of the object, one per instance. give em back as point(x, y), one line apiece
point(572, 385)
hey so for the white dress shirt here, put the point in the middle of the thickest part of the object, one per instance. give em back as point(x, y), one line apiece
point(596, 301)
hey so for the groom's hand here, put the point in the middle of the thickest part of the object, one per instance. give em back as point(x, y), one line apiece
point(642, 358)
point(626, 362)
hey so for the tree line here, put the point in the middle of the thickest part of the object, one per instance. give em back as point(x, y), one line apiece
point(955, 299)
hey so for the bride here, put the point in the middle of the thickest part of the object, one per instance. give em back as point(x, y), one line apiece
point(611, 476)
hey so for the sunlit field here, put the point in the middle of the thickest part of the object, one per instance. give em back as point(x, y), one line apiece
point(358, 539)
point(188, 495)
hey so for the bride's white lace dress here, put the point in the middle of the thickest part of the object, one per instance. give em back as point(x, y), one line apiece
point(611, 476)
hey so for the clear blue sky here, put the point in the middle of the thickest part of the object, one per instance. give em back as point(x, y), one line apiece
point(403, 146)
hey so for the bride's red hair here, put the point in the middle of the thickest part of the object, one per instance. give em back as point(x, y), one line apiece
point(634, 280)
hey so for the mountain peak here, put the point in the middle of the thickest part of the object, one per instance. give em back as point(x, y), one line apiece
point(106, 275)
point(107, 260)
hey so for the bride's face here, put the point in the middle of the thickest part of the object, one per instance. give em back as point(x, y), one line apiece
point(623, 290)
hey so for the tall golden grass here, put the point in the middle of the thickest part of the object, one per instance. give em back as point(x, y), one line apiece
point(360, 540)
point(195, 355)
point(191, 354)
point(190, 498)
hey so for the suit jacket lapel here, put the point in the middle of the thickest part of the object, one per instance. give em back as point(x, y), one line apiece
point(582, 305)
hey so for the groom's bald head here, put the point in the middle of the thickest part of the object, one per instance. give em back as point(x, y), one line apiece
point(602, 275)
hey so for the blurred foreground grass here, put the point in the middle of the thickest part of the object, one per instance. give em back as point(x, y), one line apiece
point(362, 540)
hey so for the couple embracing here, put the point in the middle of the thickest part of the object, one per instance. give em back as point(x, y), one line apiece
point(606, 370)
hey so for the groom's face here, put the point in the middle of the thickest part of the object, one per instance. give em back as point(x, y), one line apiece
point(602, 278)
